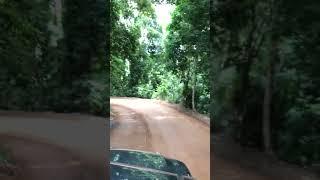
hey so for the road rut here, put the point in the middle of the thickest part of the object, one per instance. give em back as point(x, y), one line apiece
point(147, 125)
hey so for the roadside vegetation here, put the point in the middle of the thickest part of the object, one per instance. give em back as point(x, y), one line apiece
point(6, 162)
point(253, 65)
point(265, 75)
point(53, 56)
point(151, 62)
point(4, 155)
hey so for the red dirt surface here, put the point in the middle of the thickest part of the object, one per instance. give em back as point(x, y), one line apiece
point(153, 126)
point(41, 161)
point(147, 125)
point(50, 146)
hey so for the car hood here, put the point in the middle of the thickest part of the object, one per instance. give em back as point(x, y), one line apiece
point(149, 160)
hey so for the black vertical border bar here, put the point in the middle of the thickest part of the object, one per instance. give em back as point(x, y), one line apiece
point(108, 59)
point(211, 75)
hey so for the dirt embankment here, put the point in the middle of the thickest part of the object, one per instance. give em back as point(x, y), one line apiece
point(50, 146)
point(203, 118)
point(232, 162)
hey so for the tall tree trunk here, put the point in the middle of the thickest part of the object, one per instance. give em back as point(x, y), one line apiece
point(267, 101)
point(213, 73)
point(194, 81)
point(193, 93)
point(186, 90)
point(243, 104)
point(55, 24)
point(272, 61)
point(266, 112)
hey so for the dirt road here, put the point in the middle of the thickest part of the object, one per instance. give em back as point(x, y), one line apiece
point(49, 146)
point(147, 125)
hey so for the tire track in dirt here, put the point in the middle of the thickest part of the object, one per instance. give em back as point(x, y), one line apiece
point(172, 133)
point(130, 124)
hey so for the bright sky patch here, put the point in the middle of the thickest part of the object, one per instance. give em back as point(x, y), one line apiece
point(163, 12)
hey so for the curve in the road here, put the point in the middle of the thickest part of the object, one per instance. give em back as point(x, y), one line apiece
point(131, 127)
point(172, 133)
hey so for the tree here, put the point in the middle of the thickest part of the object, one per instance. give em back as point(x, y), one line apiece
point(261, 67)
point(40, 70)
point(187, 51)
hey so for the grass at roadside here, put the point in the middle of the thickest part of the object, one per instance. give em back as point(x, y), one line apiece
point(113, 114)
point(7, 165)
point(5, 156)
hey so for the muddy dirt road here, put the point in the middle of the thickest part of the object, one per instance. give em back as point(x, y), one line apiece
point(49, 146)
point(147, 125)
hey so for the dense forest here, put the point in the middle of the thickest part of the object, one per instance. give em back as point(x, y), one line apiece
point(253, 65)
point(170, 64)
point(265, 75)
point(53, 55)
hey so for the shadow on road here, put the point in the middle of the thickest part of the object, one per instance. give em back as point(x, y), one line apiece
point(41, 161)
point(51, 146)
point(232, 162)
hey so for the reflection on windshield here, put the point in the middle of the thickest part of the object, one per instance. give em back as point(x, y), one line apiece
point(127, 173)
point(148, 160)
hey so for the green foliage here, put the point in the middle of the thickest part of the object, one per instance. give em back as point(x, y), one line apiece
point(187, 51)
point(5, 155)
point(300, 140)
point(39, 76)
point(22, 39)
point(247, 38)
point(143, 66)
point(85, 26)
point(222, 109)
point(170, 88)
point(99, 94)
point(126, 51)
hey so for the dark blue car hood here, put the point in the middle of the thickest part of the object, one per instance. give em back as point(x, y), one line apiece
point(150, 165)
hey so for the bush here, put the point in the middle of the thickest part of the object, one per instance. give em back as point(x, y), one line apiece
point(145, 90)
point(169, 89)
point(5, 156)
point(300, 139)
point(98, 97)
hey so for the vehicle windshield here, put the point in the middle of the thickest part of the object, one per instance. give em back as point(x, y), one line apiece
point(119, 172)
point(149, 160)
